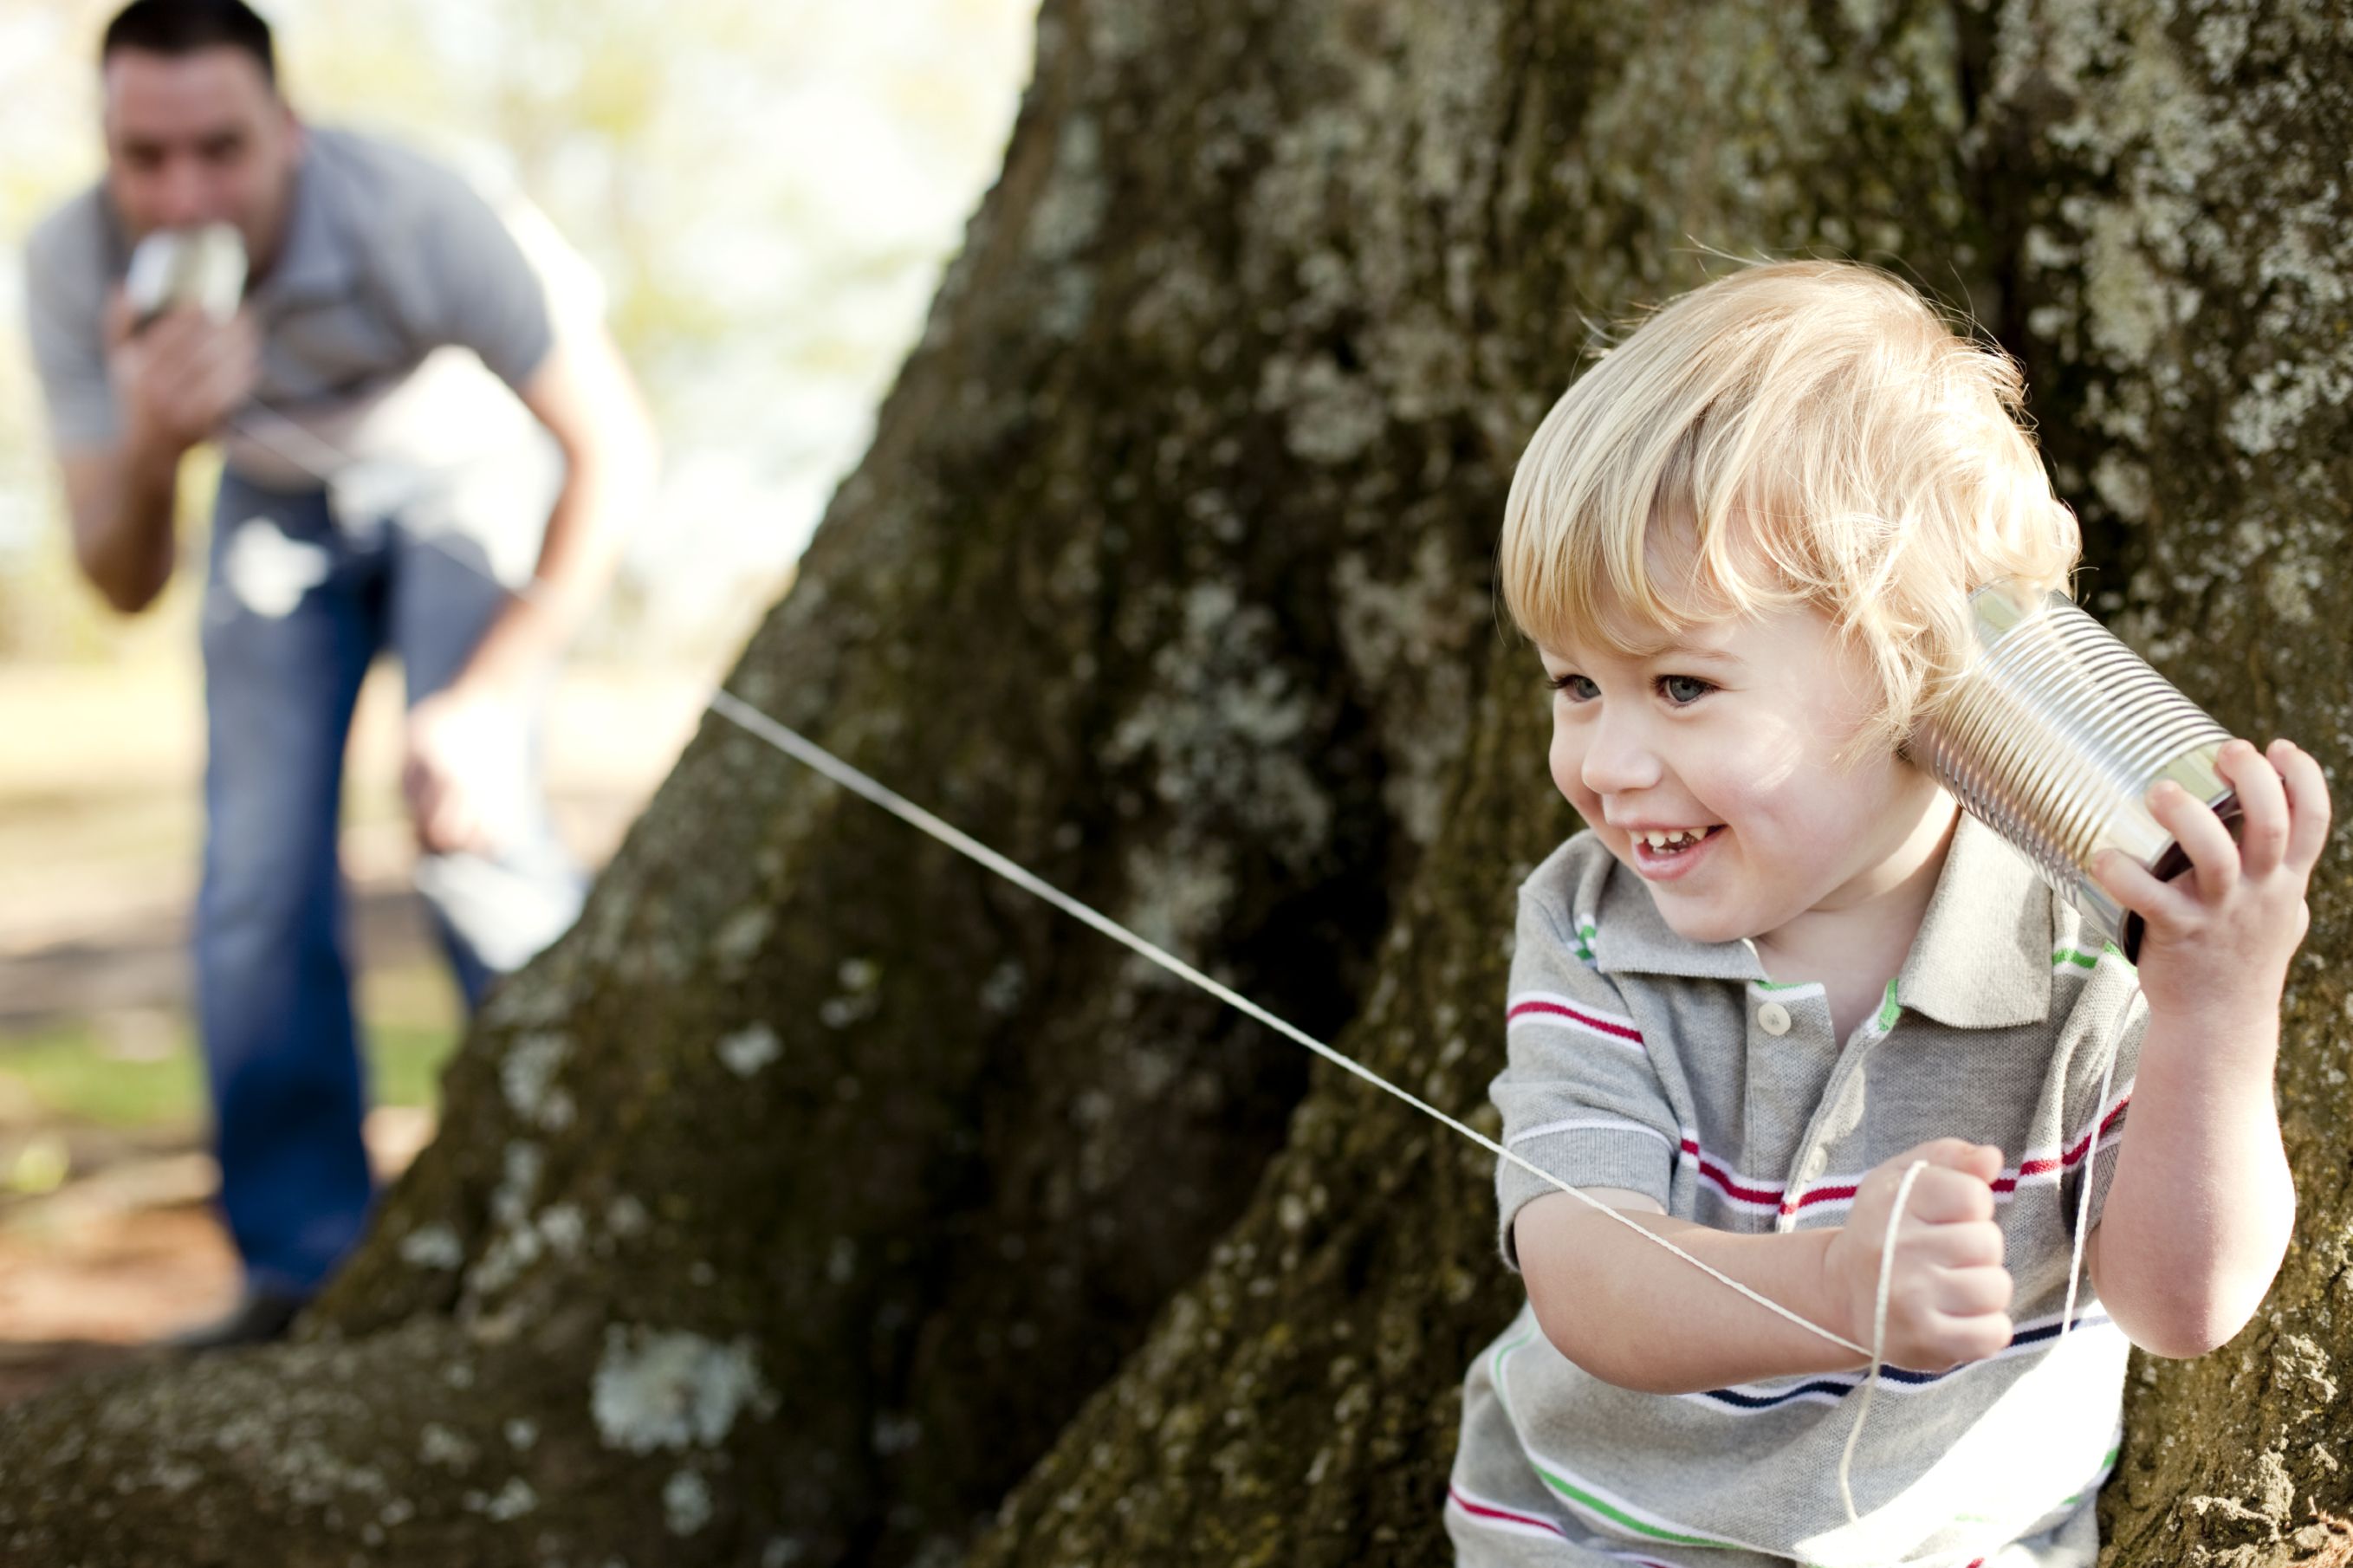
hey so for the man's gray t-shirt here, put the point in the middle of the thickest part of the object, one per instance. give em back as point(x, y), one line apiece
point(396, 286)
point(1641, 1061)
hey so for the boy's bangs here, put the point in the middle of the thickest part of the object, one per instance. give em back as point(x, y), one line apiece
point(1637, 587)
point(1794, 435)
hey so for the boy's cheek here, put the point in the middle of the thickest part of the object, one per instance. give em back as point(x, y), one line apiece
point(1567, 776)
point(1564, 761)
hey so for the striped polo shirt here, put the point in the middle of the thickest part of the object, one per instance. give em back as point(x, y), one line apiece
point(1640, 1060)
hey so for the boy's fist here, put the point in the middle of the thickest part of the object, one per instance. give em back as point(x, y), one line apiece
point(1948, 1294)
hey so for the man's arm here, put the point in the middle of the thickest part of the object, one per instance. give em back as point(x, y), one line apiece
point(582, 393)
point(120, 501)
point(174, 381)
point(587, 398)
point(1633, 1314)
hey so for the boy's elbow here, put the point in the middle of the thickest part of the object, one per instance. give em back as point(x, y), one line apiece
point(2184, 1324)
point(2182, 1338)
point(1569, 1328)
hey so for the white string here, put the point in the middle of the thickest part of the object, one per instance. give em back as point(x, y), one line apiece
point(2083, 1200)
point(792, 743)
point(1878, 1335)
point(335, 457)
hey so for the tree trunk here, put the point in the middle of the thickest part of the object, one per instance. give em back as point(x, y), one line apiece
point(2185, 285)
point(819, 1192)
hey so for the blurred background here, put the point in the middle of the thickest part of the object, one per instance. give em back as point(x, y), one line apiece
point(766, 190)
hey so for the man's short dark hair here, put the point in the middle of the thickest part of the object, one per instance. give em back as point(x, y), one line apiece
point(175, 27)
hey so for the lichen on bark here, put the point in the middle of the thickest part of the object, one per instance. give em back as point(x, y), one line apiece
point(2188, 290)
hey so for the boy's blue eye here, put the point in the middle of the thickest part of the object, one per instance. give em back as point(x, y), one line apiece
point(1683, 690)
point(1579, 688)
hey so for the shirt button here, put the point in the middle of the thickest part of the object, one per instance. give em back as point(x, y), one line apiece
point(1773, 1019)
point(1816, 1163)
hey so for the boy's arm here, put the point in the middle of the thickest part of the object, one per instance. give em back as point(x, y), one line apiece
point(2198, 1216)
point(1633, 1314)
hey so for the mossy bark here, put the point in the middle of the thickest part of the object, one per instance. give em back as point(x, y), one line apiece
point(2182, 274)
point(793, 1208)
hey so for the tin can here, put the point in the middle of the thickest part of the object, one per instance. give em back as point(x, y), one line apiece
point(204, 267)
point(2053, 737)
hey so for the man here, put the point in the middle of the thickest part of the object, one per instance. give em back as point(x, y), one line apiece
point(422, 453)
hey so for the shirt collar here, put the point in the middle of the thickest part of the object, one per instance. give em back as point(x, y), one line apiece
point(1981, 958)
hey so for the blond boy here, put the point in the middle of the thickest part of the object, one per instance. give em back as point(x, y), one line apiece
point(1778, 968)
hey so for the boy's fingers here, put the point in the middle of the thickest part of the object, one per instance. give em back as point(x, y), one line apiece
point(2263, 807)
point(2308, 803)
point(1973, 1292)
point(1977, 1336)
point(1959, 1247)
point(1982, 1161)
point(2213, 856)
point(2131, 884)
point(1943, 1196)
point(1978, 1244)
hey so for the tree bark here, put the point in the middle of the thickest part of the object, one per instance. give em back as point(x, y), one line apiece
point(818, 1194)
point(2181, 280)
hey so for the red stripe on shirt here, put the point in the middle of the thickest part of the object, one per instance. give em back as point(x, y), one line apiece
point(1730, 1184)
point(2073, 1155)
point(1821, 1195)
point(1726, 1181)
point(1621, 1031)
point(1484, 1511)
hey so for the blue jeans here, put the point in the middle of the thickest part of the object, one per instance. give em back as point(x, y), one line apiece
point(295, 610)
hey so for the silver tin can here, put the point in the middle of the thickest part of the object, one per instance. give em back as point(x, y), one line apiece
point(2053, 737)
point(204, 267)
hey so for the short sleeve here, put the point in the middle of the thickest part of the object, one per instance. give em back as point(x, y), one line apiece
point(485, 294)
point(65, 301)
point(2098, 1099)
point(1579, 1097)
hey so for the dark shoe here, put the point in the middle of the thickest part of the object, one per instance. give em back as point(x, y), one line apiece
point(259, 1317)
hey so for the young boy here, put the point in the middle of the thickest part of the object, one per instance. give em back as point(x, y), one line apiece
point(1779, 968)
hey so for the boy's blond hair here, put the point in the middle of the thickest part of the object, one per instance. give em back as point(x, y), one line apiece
point(1795, 433)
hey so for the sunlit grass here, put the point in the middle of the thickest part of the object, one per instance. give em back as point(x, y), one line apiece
point(97, 1072)
point(71, 1073)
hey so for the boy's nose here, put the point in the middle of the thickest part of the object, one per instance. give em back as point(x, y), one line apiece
point(1618, 760)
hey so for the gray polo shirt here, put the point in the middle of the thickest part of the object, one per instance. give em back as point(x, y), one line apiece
point(399, 313)
point(1640, 1060)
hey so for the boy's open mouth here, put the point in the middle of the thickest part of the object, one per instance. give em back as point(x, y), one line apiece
point(1676, 843)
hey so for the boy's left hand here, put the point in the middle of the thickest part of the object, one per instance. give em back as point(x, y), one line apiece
point(2220, 936)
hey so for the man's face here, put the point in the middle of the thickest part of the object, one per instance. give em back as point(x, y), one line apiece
point(199, 138)
point(1728, 744)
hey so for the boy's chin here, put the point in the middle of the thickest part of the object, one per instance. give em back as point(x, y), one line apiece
point(1697, 922)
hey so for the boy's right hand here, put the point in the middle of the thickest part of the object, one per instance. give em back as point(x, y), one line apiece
point(1948, 1295)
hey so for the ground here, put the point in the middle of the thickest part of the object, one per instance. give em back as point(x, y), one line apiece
point(107, 1237)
